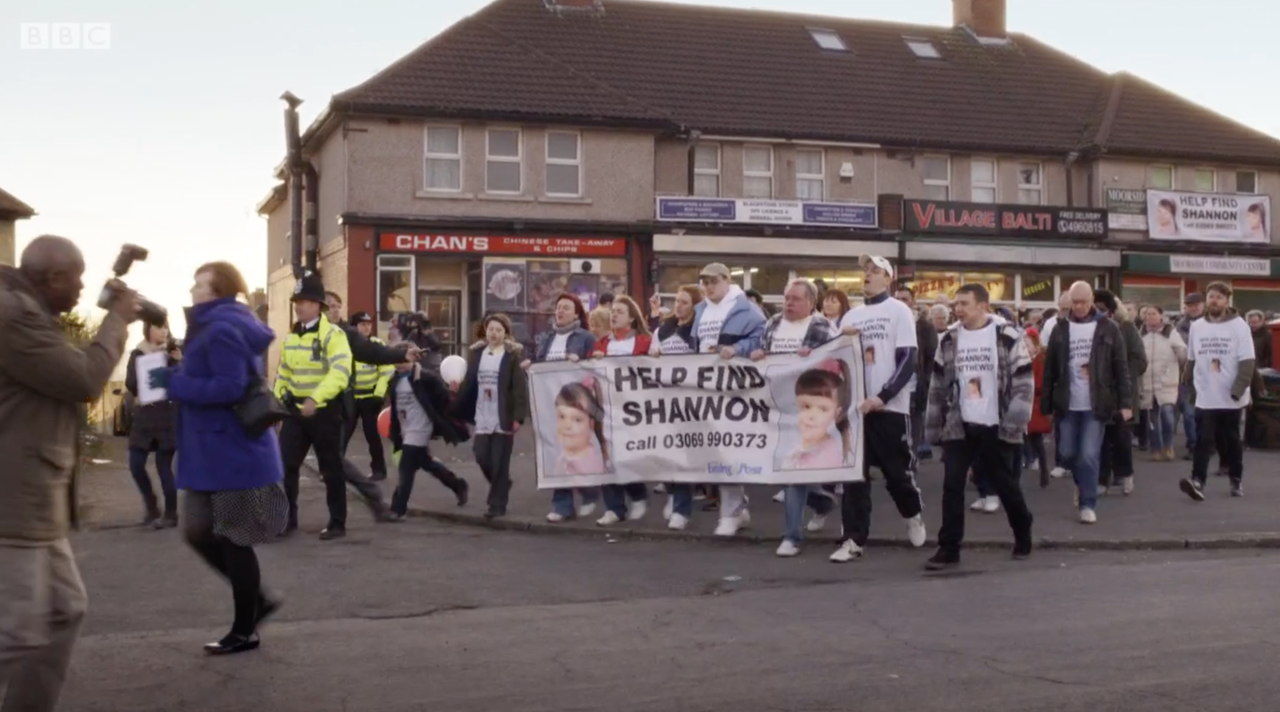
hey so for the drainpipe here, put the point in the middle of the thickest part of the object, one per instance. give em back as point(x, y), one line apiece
point(293, 160)
point(1067, 163)
point(691, 177)
point(312, 226)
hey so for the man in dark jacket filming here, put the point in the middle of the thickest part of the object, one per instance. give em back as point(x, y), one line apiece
point(44, 383)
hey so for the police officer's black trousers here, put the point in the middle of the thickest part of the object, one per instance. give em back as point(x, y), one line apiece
point(324, 432)
point(367, 411)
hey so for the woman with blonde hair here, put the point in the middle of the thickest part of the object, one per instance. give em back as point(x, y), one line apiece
point(232, 477)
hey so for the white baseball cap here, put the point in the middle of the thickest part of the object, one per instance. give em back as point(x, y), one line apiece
point(877, 261)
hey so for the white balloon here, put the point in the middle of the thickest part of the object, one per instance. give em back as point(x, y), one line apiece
point(453, 369)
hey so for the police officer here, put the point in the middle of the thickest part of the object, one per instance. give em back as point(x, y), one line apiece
point(315, 371)
point(370, 390)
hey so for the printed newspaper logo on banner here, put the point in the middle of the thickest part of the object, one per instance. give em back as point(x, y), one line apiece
point(701, 419)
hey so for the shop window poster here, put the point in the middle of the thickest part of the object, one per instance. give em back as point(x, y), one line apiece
point(504, 286)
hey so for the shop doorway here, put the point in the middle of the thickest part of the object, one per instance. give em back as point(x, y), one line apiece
point(443, 308)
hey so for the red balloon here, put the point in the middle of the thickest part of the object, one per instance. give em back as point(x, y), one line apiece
point(384, 423)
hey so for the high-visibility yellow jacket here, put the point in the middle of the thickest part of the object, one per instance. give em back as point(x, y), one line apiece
point(371, 380)
point(315, 363)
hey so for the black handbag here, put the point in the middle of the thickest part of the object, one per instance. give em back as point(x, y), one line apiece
point(259, 410)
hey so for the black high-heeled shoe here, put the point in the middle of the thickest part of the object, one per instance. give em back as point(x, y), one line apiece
point(233, 644)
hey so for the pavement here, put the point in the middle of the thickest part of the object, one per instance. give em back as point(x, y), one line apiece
point(1157, 516)
point(426, 615)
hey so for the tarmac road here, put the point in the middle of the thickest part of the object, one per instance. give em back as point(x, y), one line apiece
point(429, 616)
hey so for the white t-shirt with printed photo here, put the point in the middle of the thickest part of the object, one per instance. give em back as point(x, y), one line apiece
point(976, 364)
point(788, 337)
point(711, 321)
point(1218, 348)
point(556, 349)
point(1079, 347)
point(884, 328)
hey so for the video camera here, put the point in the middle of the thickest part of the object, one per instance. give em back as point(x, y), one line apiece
point(148, 311)
point(416, 329)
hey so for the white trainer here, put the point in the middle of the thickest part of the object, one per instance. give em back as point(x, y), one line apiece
point(787, 548)
point(1059, 472)
point(555, 517)
point(744, 519)
point(677, 522)
point(728, 526)
point(780, 497)
point(848, 551)
point(669, 508)
point(816, 523)
point(979, 504)
point(916, 531)
point(587, 510)
point(608, 520)
point(991, 505)
point(637, 510)
point(1088, 516)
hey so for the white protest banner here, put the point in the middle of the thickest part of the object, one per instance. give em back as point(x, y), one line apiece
point(1208, 217)
point(699, 418)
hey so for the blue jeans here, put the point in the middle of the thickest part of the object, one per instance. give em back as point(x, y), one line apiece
point(164, 468)
point(1161, 419)
point(797, 497)
point(681, 498)
point(1188, 412)
point(1081, 449)
point(562, 500)
point(615, 496)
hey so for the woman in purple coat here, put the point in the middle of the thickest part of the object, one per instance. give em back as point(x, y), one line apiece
point(234, 498)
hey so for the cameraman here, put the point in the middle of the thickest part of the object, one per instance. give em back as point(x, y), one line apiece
point(44, 381)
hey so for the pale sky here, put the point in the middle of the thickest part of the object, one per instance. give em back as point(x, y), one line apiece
point(167, 139)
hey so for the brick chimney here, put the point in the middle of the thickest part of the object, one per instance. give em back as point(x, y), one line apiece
point(986, 18)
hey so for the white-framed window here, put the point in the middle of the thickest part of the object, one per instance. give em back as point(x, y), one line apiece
point(982, 180)
point(564, 163)
point(442, 170)
point(1030, 184)
point(706, 170)
point(811, 176)
point(397, 285)
point(1160, 177)
point(1206, 180)
point(757, 172)
point(936, 173)
point(503, 170)
point(1246, 181)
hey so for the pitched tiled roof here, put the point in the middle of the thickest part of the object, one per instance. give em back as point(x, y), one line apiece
point(749, 72)
point(11, 208)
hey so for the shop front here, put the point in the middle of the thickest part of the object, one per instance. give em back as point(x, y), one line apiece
point(1165, 280)
point(765, 243)
point(454, 279)
point(1025, 255)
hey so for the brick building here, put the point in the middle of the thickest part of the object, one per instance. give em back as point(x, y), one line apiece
point(617, 145)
